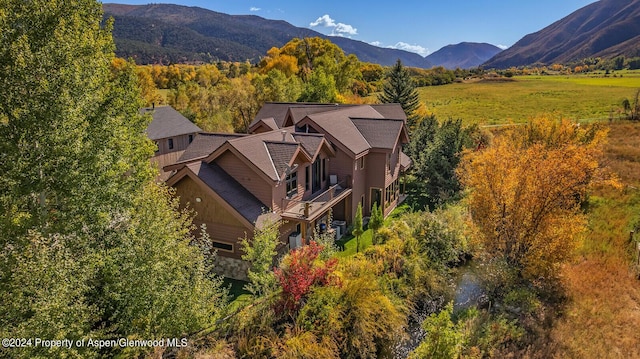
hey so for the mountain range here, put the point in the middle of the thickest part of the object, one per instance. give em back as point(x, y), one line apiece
point(165, 33)
point(606, 28)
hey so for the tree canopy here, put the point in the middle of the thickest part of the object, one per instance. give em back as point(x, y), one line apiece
point(526, 190)
point(91, 246)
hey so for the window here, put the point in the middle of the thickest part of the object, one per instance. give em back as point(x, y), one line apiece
point(292, 184)
point(227, 247)
point(307, 178)
point(389, 161)
point(316, 183)
point(157, 147)
point(361, 162)
point(190, 138)
point(170, 143)
point(324, 169)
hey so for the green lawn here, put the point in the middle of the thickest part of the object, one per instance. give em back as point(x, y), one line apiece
point(578, 97)
point(350, 243)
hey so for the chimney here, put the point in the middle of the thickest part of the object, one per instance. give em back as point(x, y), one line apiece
point(284, 135)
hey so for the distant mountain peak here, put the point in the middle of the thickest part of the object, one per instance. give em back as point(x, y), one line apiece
point(606, 28)
point(463, 55)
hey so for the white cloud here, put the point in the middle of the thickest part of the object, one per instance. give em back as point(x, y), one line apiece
point(376, 43)
point(253, 8)
point(324, 20)
point(503, 47)
point(338, 29)
point(423, 51)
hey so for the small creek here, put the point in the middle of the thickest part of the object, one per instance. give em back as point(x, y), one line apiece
point(467, 292)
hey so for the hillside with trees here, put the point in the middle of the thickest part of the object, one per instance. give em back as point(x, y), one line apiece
point(168, 34)
point(606, 28)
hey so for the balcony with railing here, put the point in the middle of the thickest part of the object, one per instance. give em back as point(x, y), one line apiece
point(311, 209)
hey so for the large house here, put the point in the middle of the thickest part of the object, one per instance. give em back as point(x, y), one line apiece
point(300, 163)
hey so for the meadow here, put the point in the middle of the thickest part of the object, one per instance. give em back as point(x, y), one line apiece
point(506, 100)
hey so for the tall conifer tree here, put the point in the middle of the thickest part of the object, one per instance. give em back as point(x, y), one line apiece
point(399, 88)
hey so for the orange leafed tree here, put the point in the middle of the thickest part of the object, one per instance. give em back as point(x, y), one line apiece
point(526, 190)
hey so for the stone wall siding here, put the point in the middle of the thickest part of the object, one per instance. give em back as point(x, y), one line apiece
point(231, 268)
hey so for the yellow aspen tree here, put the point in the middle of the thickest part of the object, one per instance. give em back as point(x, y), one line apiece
point(525, 192)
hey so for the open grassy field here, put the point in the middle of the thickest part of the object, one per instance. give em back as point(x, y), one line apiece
point(488, 102)
point(602, 317)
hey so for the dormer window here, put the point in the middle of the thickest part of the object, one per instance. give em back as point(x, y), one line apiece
point(292, 184)
point(170, 143)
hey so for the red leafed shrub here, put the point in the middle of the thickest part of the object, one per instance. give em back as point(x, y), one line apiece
point(300, 271)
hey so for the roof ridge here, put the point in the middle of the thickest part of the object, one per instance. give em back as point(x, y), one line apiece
point(223, 134)
point(281, 142)
point(308, 134)
point(375, 119)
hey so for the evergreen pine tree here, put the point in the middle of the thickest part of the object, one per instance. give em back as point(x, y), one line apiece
point(357, 226)
point(376, 220)
point(399, 88)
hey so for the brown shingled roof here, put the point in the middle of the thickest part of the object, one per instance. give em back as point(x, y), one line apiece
point(310, 142)
point(245, 203)
point(168, 122)
point(391, 111)
point(270, 123)
point(281, 154)
point(339, 126)
point(379, 133)
point(206, 143)
point(279, 111)
point(254, 149)
point(405, 161)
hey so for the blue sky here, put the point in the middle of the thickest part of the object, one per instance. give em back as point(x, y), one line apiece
point(417, 26)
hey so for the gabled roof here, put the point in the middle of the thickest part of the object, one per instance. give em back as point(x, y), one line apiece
point(310, 142)
point(242, 201)
point(275, 110)
point(168, 122)
point(339, 126)
point(379, 133)
point(268, 123)
point(279, 111)
point(281, 154)
point(206, 143)
point(297, 113)
point(405, 161)
point(253, 148)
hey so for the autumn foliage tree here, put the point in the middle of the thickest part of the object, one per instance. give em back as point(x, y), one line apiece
point(300, 271)
point(525, 192)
